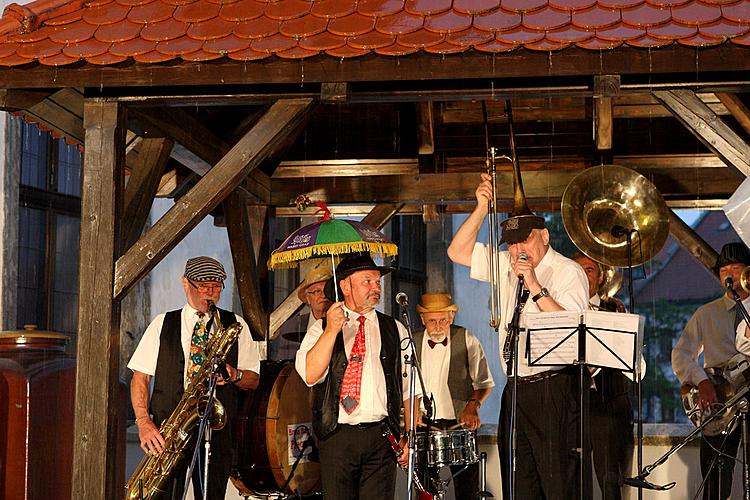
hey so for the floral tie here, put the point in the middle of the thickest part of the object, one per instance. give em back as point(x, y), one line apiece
point(197, 347)
point(352, 384)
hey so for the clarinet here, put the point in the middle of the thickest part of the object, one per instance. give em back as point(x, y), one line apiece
point(422, 494)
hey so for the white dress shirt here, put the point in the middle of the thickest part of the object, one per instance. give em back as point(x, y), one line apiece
point(146, 354)
point(436, 367)
point(372, 405)
point(564, 278)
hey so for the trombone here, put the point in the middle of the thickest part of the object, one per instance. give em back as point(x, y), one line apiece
point(493, 222)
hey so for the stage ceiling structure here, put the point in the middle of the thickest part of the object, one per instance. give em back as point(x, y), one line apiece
point(233, 108)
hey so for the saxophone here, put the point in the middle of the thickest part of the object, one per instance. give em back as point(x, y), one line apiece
point(154, 471)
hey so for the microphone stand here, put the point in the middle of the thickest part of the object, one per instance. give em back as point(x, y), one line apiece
point(640, 482)
point(514, 330)
point(414, 368)
point(203, 430)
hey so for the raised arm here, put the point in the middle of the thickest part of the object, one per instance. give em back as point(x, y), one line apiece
point(462, 245)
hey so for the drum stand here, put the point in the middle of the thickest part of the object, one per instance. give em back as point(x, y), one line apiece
point(483, 493)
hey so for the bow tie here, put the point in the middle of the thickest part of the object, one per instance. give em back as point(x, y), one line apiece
point(432, 344)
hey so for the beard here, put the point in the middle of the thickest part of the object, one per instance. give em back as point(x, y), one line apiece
point(372, 299)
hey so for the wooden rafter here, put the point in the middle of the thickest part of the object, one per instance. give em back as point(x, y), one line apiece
point(737, 108)
point(211, 190)
point(143, 185)
point(692, 242)
point(378, 217)
point(239, 230)
point(708, 128)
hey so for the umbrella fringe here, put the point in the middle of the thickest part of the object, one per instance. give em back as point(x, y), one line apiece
point(290, 258)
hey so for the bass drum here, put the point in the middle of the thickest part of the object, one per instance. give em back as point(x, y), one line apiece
point(274, 427)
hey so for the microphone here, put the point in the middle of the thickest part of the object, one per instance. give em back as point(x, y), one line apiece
point(522, 257)
point(402, 299)
point(729, 283)
point(619, 231)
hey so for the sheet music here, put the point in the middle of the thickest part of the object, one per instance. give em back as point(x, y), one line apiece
point(612, 339)
point(554, 337)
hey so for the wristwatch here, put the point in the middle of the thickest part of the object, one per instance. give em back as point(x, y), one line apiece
point(479, 403)
point(542, 293)
point(238, 376)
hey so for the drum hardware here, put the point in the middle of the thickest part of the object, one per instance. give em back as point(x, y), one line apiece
point(483, 492)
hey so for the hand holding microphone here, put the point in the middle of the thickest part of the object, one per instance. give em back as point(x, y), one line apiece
point(522, 257)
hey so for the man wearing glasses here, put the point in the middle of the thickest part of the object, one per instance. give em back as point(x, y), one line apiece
point(171, 350)
point(456, 377)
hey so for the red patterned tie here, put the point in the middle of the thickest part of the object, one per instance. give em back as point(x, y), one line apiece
point(352, 383)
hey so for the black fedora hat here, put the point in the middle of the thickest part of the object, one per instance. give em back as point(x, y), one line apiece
point(732, 253)
point(350, 264)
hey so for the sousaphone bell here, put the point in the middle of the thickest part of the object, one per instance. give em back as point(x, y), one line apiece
point(603, 203)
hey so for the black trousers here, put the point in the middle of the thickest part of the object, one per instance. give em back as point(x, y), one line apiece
point(547, 462)
point(219, 467)
point(611, 424)
point(718, 468)
point(357, 462)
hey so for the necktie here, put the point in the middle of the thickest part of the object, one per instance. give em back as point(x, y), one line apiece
point(432, 344)
point(352, 383)
point(197, 346)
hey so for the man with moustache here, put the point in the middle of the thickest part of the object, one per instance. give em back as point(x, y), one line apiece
point(611, 414)
point(293, 330)
point(717, 331)
point(456, 376)
point(170, 351)
point(352, 360)
point(546, 439)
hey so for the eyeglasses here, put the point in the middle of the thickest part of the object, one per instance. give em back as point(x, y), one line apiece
point(207, 287)
point(313, 293)
point(441, 322)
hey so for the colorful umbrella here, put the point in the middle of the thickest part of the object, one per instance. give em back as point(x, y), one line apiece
point(329, 236)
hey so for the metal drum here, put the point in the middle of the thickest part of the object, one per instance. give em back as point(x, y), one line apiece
point(453, 447)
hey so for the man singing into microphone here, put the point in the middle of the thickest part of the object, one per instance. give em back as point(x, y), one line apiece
point(711, 331)
point(547, 401)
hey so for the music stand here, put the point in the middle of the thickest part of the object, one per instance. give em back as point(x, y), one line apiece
point(583, 339)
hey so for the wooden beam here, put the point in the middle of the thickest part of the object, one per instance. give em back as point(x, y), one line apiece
point(459, 187)
point(603, 120)
point(692, 242)
point(239, 230)
point(708, 128)
point(345, 168)
point(378, 217)
point(737, 108)
point(425, 129)
point(197, 147)
point(143, 184)
point(61, 112)
point(334, 92)
point(211, 190)
point(98, 394)
point(16, 100)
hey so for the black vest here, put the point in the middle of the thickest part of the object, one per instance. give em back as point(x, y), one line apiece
point(326, 394)
point(170, 369)
point(459, 378)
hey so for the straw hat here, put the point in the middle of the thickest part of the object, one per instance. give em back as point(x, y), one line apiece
point(315, 275)
point(436, 302)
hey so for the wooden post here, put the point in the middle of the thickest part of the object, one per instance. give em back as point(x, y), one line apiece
point(692, 242)
point(96, 438)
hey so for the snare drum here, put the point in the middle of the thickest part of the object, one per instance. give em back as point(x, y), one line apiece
point(456, 447)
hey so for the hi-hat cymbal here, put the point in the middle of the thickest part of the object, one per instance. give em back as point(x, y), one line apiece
point(609, 196)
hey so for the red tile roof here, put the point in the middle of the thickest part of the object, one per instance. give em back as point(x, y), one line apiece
point(107, 32)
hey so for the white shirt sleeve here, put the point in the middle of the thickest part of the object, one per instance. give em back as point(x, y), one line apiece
point(310, 339)
point(248, 357)
point(146, 354)
point(741, 342)
point(481, 378)
point(686, 351)
point(480, 263)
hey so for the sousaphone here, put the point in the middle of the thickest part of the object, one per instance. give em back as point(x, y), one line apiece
point(602, 203)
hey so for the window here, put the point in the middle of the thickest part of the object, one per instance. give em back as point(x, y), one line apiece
point(49, 229)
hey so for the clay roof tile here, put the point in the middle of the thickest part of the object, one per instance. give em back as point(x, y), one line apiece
point(448, 22)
